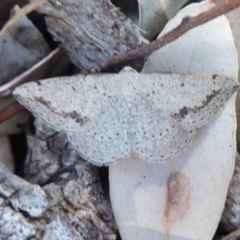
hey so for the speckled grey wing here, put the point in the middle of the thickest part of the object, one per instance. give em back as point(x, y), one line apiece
point(191, 99)
point(105, 116)
point(155, 135)
point(68, 103)
point(105, 139)
point(171, 107)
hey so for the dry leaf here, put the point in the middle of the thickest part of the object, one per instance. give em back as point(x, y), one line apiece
point(20, 48)
point(183, 198)
point(154, 14)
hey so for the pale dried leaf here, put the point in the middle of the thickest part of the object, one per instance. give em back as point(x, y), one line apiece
point(20, 48)
point(183, 198)
point(154, 14)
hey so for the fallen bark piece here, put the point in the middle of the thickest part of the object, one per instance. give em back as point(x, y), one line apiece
point(73, 186)
point(60, 229)
point(20, 202)
point(13, 226)
point(30, 201)
point(70, 203)
point(90, 31)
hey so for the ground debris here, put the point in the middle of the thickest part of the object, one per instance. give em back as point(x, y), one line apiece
point(68, 203)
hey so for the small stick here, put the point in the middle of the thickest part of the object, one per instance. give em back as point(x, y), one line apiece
point(10, 110)
point(21, 13)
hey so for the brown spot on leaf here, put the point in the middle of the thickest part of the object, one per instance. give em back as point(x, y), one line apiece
point(177, 203)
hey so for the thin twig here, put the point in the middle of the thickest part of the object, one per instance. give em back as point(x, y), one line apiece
point(10, 110)
point(186, 24)
point(21, 13)
point(14, 108)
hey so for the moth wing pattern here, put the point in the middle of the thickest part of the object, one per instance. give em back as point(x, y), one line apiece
point(106, 116)
point(67, 103)
point(192, 99)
